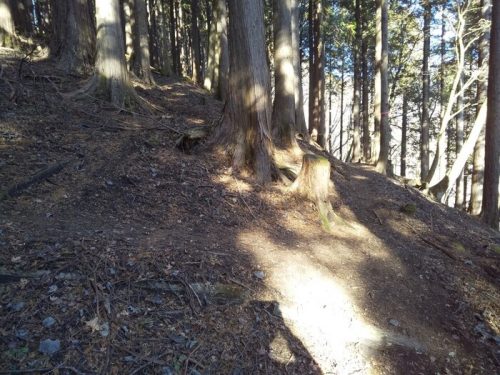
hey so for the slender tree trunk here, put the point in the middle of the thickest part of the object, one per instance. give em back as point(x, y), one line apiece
point(21, 13)
point(179, 37)
point(442, 189)
point(127, 26)
point(195, 34)
point(476, 198)
point(211, 76)
point(141, 66)
point(7, 30)
point(165, 48)
point(317, 96)
point(173, 38)
point(404, 131)
point(73, 39)
point(342, 89)
point(111, 79)
point(365, 85)
point(425, 121)
point(300, 120)
point(356, 112)
point(492, 146)
point(459, 141)
point(381, 87)
point(283, 117)
point(152, 27)
point(223, 84)
point(246, 126)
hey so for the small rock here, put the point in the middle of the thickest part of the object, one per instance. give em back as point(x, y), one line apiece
point(433, 359)
point(49, 347)
point(104, 329)
point(394, 322)
point(53, 289)
point(259, 274)
point(109, 183)
point(22, 334)
point(468, 262)
point(17, 306)
point(452, 354)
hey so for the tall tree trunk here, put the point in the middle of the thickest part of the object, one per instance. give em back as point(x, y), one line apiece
point(21, 13)
point(165, 48)
point(300, 120)
point(153, 32)
point(195, 35)
point(223, 84)
point(459, 141)
point(342, 88)
point(317, 96)
point(179, 37)
point(141, 66)
point(246, 126)
point(173, 38)
point(73, 38)
point(476, 197)
point(404, 131)
point(283, 117)
point(381, 86)
point(356, 110)
point(7, 30)
point(365, 87)
point(425, 124)
point(126, 12)
point(492, 146)
point(111, 79)
point(212, 72)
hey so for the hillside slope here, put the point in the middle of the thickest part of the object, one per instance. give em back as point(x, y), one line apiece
point(137, 258)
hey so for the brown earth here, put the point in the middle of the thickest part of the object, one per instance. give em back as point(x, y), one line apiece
point(122, 246)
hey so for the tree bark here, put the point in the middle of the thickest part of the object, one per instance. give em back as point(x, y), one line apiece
point(342, 89)
point(111, 80)
point(381, 87)
point(141, 64)
point(425, 121)
point(283, 117)
point(365, 90)
point(196, 43)
point(246, 125)
point(356, 104)
point(173, 38)
point(8, 36)
point(73, 36)
point(300, 120)
point(223, 84)
point(21, 13)
point(211, 77)
point(476, 198)
point(317, 95)
point(404, 131)
point(459, 141)
point(492, 147)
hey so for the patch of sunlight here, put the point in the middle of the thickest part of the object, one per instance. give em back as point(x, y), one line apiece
point(233, 184)
point(318, 310)
point(279, 349)
point(360, 178)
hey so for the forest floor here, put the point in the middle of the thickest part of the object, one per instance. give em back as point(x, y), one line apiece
point(136, 258)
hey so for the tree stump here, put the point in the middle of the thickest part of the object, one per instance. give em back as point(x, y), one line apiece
point(312, 183)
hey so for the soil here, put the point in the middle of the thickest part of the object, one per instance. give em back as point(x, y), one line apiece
point(119, 247)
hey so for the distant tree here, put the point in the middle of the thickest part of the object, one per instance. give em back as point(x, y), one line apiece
point(300, 121)
point(356, 101)
point(492, 160)
point(381, 86)
point(141, 60)
point(426, 84)
point(197, 75)
point(246, 125)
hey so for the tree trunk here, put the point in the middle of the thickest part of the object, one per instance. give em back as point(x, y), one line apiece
point(459, 141)
point(342, 88)
point(356, 115)
point(127, 26)
point(212, 72)
point(195, 35)
point(300, 120)
point(73, 36)
point(283, 117)
point(21, 14)
point(365, 84)
point(165, 48)
point(246, 126)
point(179, 37)
point(173, 38)
point(7, 30)
point(153, 32)
point(425, 121)
point(381, 92)
point(476, 197)
point(141, 64)
point(492, 146)
point(223, 84)
point(404, 131)
point(317, 95)
point(442, 189)
point(111, 79)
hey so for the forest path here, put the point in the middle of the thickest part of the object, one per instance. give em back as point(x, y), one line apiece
point(97, 246)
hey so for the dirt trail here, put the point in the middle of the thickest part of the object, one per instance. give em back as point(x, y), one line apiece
point(388, 292)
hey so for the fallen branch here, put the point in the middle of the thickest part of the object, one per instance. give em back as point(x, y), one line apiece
point(18, 188)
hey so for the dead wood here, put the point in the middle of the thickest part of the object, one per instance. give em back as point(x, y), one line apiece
point(18, 188)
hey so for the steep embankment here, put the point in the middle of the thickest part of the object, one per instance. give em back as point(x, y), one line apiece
point(137, 258)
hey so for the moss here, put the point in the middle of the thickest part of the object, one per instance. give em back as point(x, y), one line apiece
point(496, 248)
point(457, 246)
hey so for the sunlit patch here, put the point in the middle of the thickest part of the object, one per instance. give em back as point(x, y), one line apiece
point(233, 184)
point(318, 310)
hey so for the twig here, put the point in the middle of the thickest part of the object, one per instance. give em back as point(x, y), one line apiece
point(188, 359)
